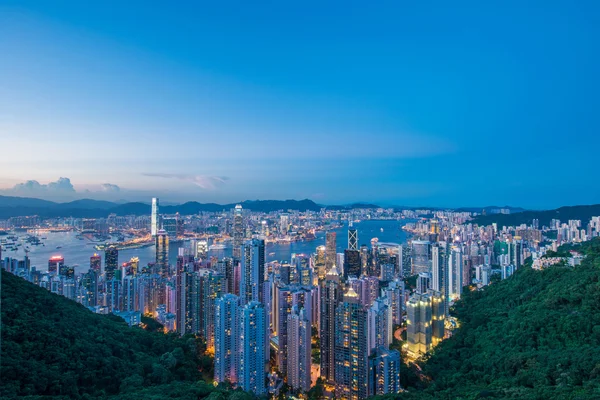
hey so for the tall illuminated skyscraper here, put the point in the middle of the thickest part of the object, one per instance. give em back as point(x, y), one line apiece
point(227, 326)
point(319, 262)
point(352, 238)
point(111, 262)
point(154, 218)
point(455, 273)
point(421, 256)
point(385, 372)
point(213, 286)
point(439, 272)
point(54, 264)
point(351, 349)
point(331, 294)
point(188, 301)
point(96, 263)
point(252, 349)
point(162, 253)
point(252, 271)
point(298, 350)
point(394, 293)
point(418, 324)
point(238, 231)
point(352, 263)
point(330, 250)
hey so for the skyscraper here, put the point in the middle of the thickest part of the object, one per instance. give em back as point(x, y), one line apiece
point(385, 372)
point(252, 271)
point(54, 264)
point(299, 350)
point(162, 253)
point(330, 250)
point(169, 226)
point(96, 263)
point(455, 273)
point(418, 324)
point(252, 348)
point(111, 262)
point(284, 222)
point(352, 263)
point(213, 286)
point(439, 272)
point(352, 238)
point(351, 349)
point(188, 302)
point(421, 256)
point(238, 231)
point(380, 325)
point(284, 302)
point(394, 293)
point(154, 223)
point(438, 317)
point(227, 326)
point(330, 298)
point(319, 262)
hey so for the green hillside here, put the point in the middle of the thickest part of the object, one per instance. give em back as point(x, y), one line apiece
point(54, 348)
point(535, 335)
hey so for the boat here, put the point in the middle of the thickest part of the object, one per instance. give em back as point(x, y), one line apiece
point(271, 254)
point(58, 247)
point(381, 229)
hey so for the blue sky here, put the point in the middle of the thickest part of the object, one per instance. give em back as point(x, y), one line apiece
point(408, 103)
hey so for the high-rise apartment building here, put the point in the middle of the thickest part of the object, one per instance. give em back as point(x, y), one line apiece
point(227, 338)
point(421, 256)
point(252, 271)
point(111, 262)
point(418, 324)
point(162, 253)
point(330, 250)
point(351, 349)
point(252, 348)
point(331, 295)
point(385, 372)
point(299, 350)
point(440, 271)
point(212, 287)
point(238, 231)
point(455, 273)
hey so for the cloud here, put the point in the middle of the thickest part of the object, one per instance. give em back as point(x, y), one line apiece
point(33, 187)
point(109, 187)
point(202, 181)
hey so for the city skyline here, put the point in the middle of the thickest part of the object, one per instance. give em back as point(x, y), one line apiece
point(469, 104)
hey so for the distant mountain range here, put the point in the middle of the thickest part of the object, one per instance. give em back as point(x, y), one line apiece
point(87, 208)
point(11, 206)
point(583, 213)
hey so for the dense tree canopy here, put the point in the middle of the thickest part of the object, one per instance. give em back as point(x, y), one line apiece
point(53, 347)
point(535, 335)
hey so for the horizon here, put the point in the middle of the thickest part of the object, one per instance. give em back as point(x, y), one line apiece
point(379, 205)
point(456, 104)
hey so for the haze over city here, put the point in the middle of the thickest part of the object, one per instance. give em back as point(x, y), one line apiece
point(397, 103)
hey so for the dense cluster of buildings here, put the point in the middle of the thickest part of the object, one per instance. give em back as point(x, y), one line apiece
point(327, 314)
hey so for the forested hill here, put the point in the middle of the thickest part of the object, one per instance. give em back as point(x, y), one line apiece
point(54, 348)
point(535, 335)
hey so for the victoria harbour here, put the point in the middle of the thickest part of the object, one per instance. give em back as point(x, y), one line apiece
point(77, 252)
